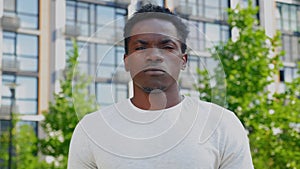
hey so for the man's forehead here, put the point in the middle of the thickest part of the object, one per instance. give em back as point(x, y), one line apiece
point(154, 26)
point(153, 36)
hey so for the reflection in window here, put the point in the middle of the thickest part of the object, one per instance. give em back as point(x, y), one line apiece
point(25, 93)
point(22, 49)
point(95, 20)
point(197, 62)
point(109, 93)
point(290, 45)
point(215, 9)
point(101, 61)
point(206, 35)
point(288, 17)
point(27, 11)
point(287, 74)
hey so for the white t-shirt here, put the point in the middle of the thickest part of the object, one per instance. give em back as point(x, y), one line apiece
point(190, 135)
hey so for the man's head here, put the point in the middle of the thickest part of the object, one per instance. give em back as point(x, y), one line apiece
point(151, 11)
point(155, 49)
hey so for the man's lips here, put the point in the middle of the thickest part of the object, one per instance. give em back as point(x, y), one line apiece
point(154, 71)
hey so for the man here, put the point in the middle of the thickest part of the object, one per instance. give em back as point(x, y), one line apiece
point(158, 128)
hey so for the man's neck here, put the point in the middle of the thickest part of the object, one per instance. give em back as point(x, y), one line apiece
point(156, 99)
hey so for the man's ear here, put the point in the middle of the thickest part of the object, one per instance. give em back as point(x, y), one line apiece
point(126, 64)
point(184, 59)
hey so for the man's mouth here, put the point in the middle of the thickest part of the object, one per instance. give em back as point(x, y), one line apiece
point(154, 71)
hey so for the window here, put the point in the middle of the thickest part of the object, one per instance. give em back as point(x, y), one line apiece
point(290, 45)
point(21, 49)
point(288, 17)
point(109, 93)
point(194, 63)
point(204, 35)
point(206, 8)
point(95, 20)
point(101, 61)
point(26, 95)
point(26, 10)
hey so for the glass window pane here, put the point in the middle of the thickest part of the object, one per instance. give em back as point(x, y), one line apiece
point(278, 16)
point(193, 65)
point(83, 68)
point(212, 13)
point(295, 73)
point(28, 6)
point(5, 90)
point(8, 45)
point(120, 56)
point(225, 33)
point(104, 15)
point(26, 107)
point(106, 55)
point(287, 74)
point(83, 54)
point(105, 93)
point(286, 25)
point(285, 12)
point(210, 3)
point(27, 45)
point(70, 9)
point(8, 78)
point(224, 4)
point(82, 13)
point(84, 29)
point(213, 35)
point(105, 71)
point(28, 64)
point(29, 21)
point(293, 13)
point(287, 49)
point(121, 95)
point(295, 44)
point(293, 18)
point(27, 88)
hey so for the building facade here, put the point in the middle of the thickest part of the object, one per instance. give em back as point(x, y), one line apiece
point(36, 34)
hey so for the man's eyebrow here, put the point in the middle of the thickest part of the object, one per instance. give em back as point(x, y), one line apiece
point(165, 41)
point(143, 42)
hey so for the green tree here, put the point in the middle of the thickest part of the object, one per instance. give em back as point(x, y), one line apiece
point(25, 148)
point(250, 62)
point(69, 106)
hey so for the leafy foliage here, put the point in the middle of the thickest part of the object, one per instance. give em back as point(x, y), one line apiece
point(24, 150)
point(69, 106)
point(250, 63)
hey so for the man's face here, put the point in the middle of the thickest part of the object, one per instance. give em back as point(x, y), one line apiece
point(154, 56)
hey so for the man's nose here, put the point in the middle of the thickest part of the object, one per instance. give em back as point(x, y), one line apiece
point(154, 55)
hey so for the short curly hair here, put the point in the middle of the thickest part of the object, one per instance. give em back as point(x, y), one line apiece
point(150, 11)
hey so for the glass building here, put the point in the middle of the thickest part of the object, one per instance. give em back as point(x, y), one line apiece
point(35, 36)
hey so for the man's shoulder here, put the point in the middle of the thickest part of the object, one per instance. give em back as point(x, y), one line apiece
point(214, 111)
point(105, 111)
point(216, 119)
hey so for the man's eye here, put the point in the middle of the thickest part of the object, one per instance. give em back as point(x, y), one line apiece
point(168, 47)
point(140, 48)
